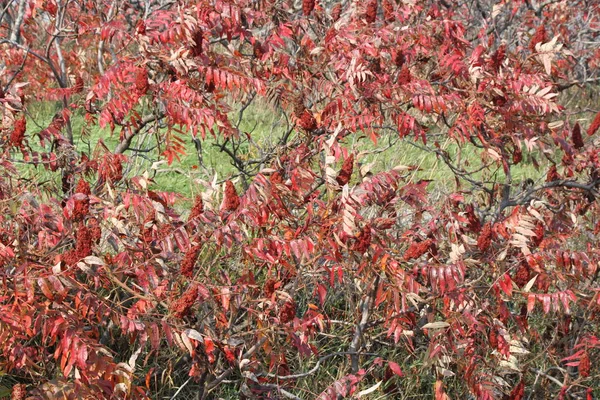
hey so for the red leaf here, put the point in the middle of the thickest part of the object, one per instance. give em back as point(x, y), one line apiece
point(506, 284)
point(594, 125)
point(530, 302)
point(154, 337)
point(395, 368)
point(342, 387)
point(440, 394)
point(209, 346)
point(546, 302)
point(43, 284)
point(322, 291)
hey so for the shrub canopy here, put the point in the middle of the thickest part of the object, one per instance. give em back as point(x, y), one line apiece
point(313, 268)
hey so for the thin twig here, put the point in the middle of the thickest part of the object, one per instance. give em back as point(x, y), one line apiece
point(316, 367)
point(362, 326)
point(181, 388)
point(284, 392)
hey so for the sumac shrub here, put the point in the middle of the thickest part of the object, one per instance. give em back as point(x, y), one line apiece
point(314, 267)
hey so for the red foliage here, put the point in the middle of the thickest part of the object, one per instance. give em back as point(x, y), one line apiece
point(95, 230)
point(257, 50)
point(83, 247)
point(498, 58)
point(51, 7)
point(18, 392)
point(298, 106)
point(83, 187)
point(371, 13)
point(270, 287)
point(518, 392)
point(540, 36)
point(197, 208)
point(399, 58)
point(146, 231)
point(346, 172)
point(552, 174)
point(111, 167)
point(594, 125)
point(542, 282)
point(493, 338)
point(81, 207)
point(539, 234)
point(517, 156)
point(388, 11)
point(79, 84)
point(473, 221)
point(276, 178)
point(284, 255)
point(141, 27)
point(308, 6)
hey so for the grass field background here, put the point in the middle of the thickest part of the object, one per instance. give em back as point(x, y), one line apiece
point(265, 127)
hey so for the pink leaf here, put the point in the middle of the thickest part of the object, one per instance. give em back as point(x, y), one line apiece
point(530, 302)
point(395, 368)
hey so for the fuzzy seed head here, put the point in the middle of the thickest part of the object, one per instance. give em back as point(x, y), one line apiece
point(576, 136)
point(18, 134)
point(307, 7)
point(371, 13)
point(417, 249)
point(336, 12)
point(231, 200)
point(485, 238)
point(539, 36)
point(196, 48)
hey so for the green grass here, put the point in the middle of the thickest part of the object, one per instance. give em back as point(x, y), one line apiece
point(431, 167)
point(265, 126)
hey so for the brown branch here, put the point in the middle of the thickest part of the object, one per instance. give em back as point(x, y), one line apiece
point(564, 86)
point(213, 384)
point(316, 367)
point(528, 195)
point(15, 34)
point(125, 144)
point(5, 11)
point(362, 326)
point(283, 392)
point(17, 72)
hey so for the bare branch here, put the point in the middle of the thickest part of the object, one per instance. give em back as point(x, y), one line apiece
point(365, 308)
point(317, 366)
point(15, 34)
point(125, 144)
